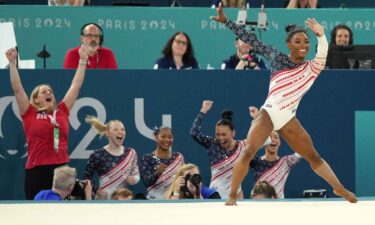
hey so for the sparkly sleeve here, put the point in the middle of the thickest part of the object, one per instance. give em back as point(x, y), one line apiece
point(196, 134)
point(254, 162)
point(90, 169)
point(147, 167)
point(250, 38)
point(134, 168)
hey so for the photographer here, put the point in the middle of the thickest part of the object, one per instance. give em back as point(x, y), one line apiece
point(64, 184)
point(187, 184)
point(244, 58)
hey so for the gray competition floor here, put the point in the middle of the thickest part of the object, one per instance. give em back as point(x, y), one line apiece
point(301, 212)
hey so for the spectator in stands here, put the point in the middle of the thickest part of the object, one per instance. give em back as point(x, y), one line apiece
point(187, 184)
point(341, 36)
point(64, 181)
point(115, 165)
point(292, 4)
point(66, 2)
point(178, 54)
point(271, 167)
point(243, 59)
point(263, 190)
point(159, 167)
point(46, 124)
point(92, 38)
point(223, 149)
point(122, 194)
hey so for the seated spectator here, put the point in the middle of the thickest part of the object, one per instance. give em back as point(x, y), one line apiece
point(64, 181)
point(99, 57)
point(263, 190)
point(187, 184)
point(115, 164)
point(341, 36)
point(244, 58)
point(122, 194)
point(293, 4)
point(160, 166)
point(66, 2)
point(178, 54)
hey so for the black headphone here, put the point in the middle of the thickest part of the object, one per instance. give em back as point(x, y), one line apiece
point(101, 40)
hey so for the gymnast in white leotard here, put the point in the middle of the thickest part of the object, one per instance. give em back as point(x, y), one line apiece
point(291, 77)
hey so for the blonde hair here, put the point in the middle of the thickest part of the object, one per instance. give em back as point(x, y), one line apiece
point(63, 177)
point(263, 188)
point(121, 192)
point(34, 95)
point(100, 127)
point(179, 173)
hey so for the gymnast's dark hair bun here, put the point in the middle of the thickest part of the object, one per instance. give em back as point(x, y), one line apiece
point(227, 115)
point(293, 29)
point(290, 27)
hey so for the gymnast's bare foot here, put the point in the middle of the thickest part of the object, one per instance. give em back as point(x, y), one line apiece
point(342, 192)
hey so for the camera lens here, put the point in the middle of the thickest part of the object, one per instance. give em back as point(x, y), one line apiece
point(196, 179)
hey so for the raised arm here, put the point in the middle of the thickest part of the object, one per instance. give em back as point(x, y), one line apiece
point(322, 51)
point(245, 35)
point(195, 131)
point(72, 94)
point(15, 80)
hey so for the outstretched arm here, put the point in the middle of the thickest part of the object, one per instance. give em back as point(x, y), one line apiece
point(72, 94)
point(315, 27)
point(220, 18)
point(15, 80)
point(245, 35)
point(321, 55)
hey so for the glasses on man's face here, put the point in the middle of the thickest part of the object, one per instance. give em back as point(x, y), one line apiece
point(91, 35)
point(181, 42)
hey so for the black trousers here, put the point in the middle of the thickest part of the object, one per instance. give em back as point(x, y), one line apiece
point(39, 178)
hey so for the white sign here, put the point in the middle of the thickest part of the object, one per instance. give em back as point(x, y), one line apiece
point(7, 41)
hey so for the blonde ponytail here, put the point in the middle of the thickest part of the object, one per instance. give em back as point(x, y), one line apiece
point(96, 124)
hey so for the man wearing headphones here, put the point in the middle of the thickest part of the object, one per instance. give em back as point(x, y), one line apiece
point(99, 57)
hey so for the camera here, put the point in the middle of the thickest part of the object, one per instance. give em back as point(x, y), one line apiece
point(194, 180)
point(79, 190)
